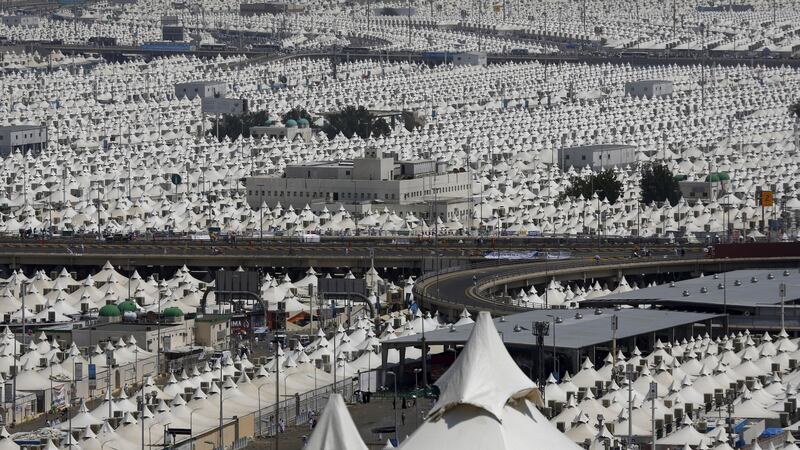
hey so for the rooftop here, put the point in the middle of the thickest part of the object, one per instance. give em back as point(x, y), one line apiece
point(125, 327)
point(600, 147)
point(572, 333)
point(21, 127)
point(735, 288)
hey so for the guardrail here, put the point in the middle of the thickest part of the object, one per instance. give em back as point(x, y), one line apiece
point(296, 409)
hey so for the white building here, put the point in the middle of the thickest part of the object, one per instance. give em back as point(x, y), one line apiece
point(203, 89)
point(648, 88)
point(26, 138)
point(20, 20)
point(469, 59)
point(290, 131)
point(372, 182)
point(598, 157)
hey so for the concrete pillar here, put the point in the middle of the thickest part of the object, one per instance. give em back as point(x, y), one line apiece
point(402, 368)
point(384, 363)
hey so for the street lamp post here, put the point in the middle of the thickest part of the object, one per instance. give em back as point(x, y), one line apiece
point(540, 330)
point(190, 423)
point(394, 380)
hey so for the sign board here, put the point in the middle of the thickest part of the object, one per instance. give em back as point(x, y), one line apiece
point(767, 198)
point(231, 106)
point(179, 431)
point(342, 285)
point(176, 179)
point(92, 371)
point(240, 325)
point(235, 281)
point(614, 323)
point(782, 290)
point(78, 372)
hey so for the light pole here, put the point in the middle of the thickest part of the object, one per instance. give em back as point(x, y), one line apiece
point(394, 380)
point(259, 404)
point(556, 320)
point(149, 433)
point(417, 371)
point(190, 423)
point(540, 330)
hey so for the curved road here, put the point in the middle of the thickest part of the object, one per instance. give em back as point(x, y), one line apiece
point(451, 292)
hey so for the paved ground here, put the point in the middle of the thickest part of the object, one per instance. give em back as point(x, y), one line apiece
point(376, 414)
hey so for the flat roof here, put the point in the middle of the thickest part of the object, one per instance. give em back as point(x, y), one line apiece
point(572, 333)
point(125, 326)
point(22, 127)
point(600, 147)
point(747, 294)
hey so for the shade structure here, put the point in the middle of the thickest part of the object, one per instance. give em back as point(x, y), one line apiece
point(335, 429)
point(486, 402)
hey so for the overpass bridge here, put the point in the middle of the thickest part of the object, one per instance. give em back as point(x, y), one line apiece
point(452, 290)
point(359, 253)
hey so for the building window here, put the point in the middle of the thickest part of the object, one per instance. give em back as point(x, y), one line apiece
point(347, 172)
point(583, 157)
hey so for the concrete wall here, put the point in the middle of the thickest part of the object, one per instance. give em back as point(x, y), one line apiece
point(201, 88)
point(648, 88)
point(596, 158)
point(298, 192)
point(26, 139)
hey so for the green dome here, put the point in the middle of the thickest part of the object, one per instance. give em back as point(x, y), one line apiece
point(302, 123)
point(128, 306)
point(680, 177)
point(291, 123)
point(173, 311)
point(718, 176)
point(110, 311)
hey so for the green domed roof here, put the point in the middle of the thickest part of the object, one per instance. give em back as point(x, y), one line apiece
point(302, 123)
point(718, 176)
point(173, 311)
point(128, 306)
point(291, 123)
point(110, 311)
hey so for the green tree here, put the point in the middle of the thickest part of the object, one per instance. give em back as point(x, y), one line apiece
point(659, 184)
point(296, 114)
point(411, 120)
point(604, 183)
point(352, 120)
point(794, 110)
point(234, 125)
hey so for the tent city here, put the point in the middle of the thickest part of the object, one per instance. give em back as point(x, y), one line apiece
point(411, 224)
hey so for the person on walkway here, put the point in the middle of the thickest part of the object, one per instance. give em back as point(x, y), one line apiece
point(282, 425)
point(403, 418)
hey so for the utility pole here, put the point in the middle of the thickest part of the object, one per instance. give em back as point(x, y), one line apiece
point(278, 385)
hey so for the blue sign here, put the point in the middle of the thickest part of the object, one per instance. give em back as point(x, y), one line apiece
point(92, 371)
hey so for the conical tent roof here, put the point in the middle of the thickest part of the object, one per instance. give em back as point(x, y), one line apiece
point(335, 429)
point(486, 403)
point(484, 375)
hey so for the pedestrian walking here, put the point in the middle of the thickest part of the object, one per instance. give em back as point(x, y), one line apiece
point(403, 418)
point(282, 425)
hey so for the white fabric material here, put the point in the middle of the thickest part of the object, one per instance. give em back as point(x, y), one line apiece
point(335, 429)
point(484, 375)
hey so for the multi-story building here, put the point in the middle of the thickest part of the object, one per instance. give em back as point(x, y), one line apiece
point(707, 190)
point(26, 138)
point(202, 89)
point(648, 88)
point(372, 182)
point(598, 157)
point(21, 20)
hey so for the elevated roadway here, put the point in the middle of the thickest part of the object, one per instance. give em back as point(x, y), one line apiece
point(425, 254)
point(481, 287)
point(262, 56)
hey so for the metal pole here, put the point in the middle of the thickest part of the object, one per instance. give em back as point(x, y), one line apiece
point(158, 339)
point(221, 379)
point(630, 403)
point(653, 392)
point(278, 386)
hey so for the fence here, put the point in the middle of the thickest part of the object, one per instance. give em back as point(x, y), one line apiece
point(295, 410)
